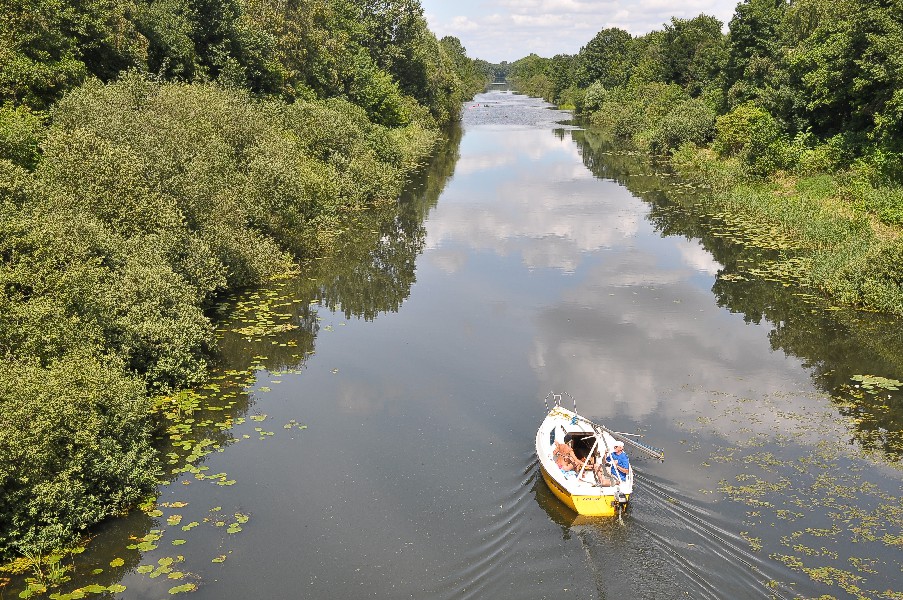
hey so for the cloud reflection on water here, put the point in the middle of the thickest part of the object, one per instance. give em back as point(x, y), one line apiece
point(549, 216)
point(638, 332)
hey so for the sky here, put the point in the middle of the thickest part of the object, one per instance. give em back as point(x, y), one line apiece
point(497, 30)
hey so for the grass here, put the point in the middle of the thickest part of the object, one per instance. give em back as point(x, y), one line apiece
point(850, 234)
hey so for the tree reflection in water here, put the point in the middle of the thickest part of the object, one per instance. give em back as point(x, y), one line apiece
point(835, 344)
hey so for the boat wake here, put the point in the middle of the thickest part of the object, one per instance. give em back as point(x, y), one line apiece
point(485, 570)
point(665, 547)
point(705, 559)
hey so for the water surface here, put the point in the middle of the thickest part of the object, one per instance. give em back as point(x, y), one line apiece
point(534, 256)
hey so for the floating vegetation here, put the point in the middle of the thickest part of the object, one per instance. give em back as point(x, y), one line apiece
point(749, 231)
point(873, 384)
point(195, 423)
point(808, 505)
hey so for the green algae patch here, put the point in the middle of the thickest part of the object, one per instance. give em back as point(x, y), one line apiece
point(874, 384)
point(182, 589)
point(808, 504)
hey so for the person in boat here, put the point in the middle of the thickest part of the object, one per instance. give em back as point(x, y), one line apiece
point(620, 464)
point(564, 457)
point(567, 461)
point(599, 471)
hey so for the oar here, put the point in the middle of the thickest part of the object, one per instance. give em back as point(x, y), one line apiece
point(650, 450)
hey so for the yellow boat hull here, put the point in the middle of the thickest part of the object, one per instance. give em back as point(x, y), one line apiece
point(592, 506)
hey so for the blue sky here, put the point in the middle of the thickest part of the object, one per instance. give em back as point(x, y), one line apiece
point(497, 30)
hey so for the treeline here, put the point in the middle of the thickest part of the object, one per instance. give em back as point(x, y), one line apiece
point(155, 154)
point(379, 54)
point(794, 116)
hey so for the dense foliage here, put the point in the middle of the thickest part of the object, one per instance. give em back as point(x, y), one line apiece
point(801, 89)
point(826, 73)
point(295, 49)
point(155, 154)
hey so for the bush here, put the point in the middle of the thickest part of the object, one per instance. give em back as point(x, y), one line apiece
point(74, 449)
point(863, 273)
point(635, 112)
point(752, 134)
point(806, 156)
point(21, 131)
point(376, 92)
point(885, 202)
point(691, 121)
point(594, 97)
point(702, 165)
point(572, 99)
point(149, 200)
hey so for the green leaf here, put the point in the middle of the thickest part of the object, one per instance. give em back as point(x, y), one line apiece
point(185, 587)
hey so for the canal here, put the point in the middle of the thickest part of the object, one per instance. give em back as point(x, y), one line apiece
point(368, 432)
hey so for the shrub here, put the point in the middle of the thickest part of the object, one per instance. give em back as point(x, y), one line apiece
point(752, 134)
point(21, 131)
point(74, 449)
point(704, 166)
point(885, 202)
point(594, 97)
point(376, 92)
point(571, 99)
point(148, 201)
point(635, 112)
point(863, 273)
point(689, 121)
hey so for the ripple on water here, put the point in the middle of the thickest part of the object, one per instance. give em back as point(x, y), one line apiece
point(508, 109)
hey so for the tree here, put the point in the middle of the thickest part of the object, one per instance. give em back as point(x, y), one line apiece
point(753, 49)
point(605, 59)
point(691, 49)
point(48, 47)
point(849, 65)
point(561, 72)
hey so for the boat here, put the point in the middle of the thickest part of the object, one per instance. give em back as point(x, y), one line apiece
point(591, 444)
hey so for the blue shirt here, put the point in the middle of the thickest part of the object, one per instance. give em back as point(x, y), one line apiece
point(621, 461)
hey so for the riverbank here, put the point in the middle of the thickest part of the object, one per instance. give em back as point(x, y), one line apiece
point(836, 231)
point(151, 201)
point(267, 331)
point(833, 233)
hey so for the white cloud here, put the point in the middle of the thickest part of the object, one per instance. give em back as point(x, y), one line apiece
point(601, 343)
point(498, 30)
point(463, 24)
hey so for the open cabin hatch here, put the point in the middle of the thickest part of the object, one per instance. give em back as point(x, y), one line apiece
point(582, 443)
